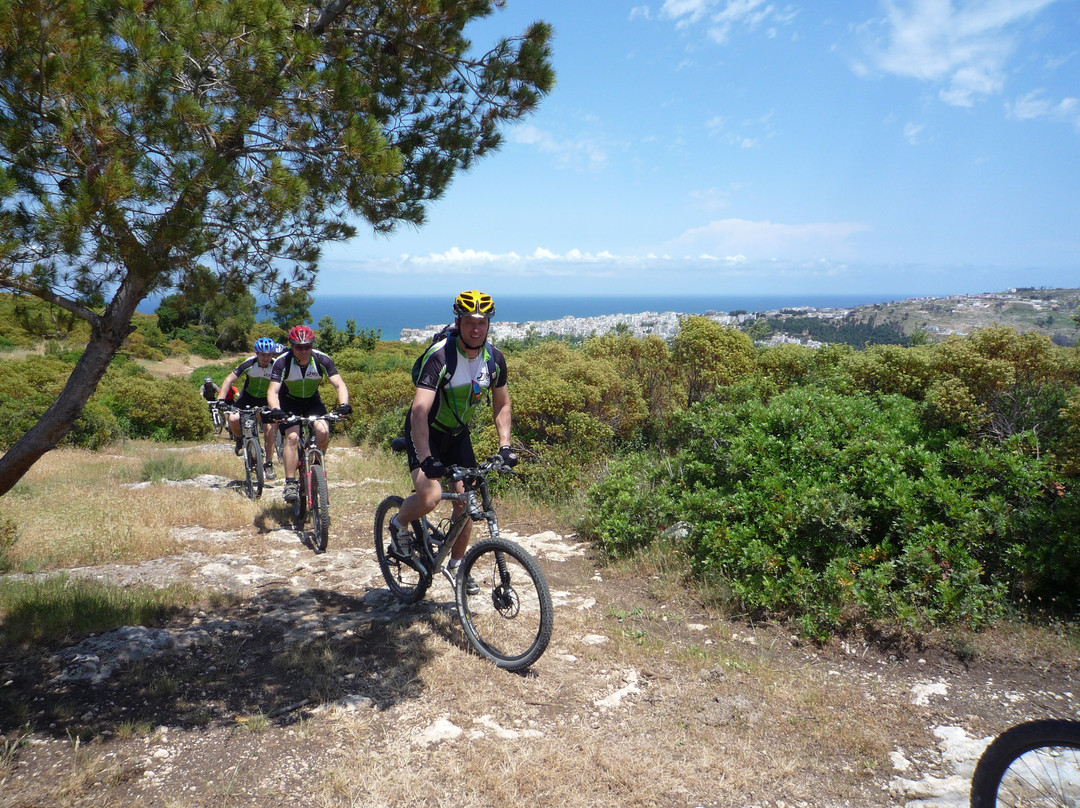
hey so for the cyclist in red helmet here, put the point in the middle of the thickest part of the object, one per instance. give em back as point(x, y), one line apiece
point(294, 390)
point(454, 374)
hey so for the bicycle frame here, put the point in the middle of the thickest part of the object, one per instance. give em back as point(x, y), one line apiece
point(502, 597)
point(308, 452)
point(476, 499)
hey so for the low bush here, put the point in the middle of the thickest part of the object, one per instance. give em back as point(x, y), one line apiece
point(160, 409)
point(830, 508)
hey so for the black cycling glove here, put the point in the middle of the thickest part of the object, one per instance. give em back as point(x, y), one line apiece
point(433, 469)
point(278, 415)
point(344, 409)
point(509, 457)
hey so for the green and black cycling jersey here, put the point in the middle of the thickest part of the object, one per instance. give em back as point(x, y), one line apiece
point(302, 381)
point(257, 379)
point(458, 393)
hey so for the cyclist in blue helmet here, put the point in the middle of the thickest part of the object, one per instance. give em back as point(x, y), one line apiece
point(256, 370)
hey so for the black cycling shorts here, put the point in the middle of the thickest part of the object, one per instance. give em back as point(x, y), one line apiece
point(452, 450)
point(303, 406)
point(249, 401)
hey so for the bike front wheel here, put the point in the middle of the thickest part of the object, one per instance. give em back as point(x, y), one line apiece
point(510, 620)
point(320, 508)
point(1036, 764)
point(401, 574)
point(254, 473)
point(300, 507)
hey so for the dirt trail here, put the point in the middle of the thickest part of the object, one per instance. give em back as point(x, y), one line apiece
point(304, 683)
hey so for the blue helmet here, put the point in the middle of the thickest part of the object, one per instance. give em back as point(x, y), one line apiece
point(279, 348)
point(264, 345)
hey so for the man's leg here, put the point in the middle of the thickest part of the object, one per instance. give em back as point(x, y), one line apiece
point(291, 449)
point(425, 499)
point(268, 440)
point(322, 435)
point(269, 429)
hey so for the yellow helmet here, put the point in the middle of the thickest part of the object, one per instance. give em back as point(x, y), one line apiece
point(474, 303)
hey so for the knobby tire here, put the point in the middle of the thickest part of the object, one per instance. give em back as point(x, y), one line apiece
point(254, 473)
point(1034, 764)
point(406, 582)
point(510, 621)
point(320, 508)
point(300, 507)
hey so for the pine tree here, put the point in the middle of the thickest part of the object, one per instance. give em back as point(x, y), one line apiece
point(141, 138)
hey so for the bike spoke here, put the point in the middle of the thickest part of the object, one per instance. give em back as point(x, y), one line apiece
point(510, 619)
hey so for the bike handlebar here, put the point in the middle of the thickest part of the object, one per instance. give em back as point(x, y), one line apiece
point(492, 464)
point(292, 420)
point(227, 406)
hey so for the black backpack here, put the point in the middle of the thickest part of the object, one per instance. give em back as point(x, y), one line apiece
point(449, 333)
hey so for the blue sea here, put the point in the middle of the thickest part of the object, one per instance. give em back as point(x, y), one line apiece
point(391, 314)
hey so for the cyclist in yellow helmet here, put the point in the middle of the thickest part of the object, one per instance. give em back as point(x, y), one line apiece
point(454, 374)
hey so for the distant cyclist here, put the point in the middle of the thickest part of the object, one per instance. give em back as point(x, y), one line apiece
point(294, 390)
point(209, 390)
point(455, 373)
point(256, 370)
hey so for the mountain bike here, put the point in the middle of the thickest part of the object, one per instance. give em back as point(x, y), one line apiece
point(251, 448)
point(216, 417)
point(311, 471)
point(1035, 764)
point(509, 621)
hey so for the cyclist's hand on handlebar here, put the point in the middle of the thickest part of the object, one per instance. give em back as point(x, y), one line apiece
point(278, 415)
point(344, 409)
point(508, 456)
point(433, 469)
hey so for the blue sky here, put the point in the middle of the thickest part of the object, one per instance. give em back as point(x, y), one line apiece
point(750, 147)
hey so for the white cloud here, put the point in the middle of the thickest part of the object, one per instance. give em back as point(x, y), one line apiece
point(963, 46)
point(582, 152)
point(729, 14)
point(1036, 105)
point(912, 131)
point(769, 240)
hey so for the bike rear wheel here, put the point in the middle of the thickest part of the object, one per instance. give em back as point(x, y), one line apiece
point(320, 508)
point(403, 579)
point(1035, 764)
point(254, 473)
point(510, 621)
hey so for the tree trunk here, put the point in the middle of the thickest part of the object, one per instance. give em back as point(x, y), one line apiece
point(106, 337)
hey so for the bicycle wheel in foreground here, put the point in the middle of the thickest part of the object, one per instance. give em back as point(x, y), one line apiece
point(320, 508)
point(404, 581)
point(510, 620)
point(1036, 765)
point(254, 474)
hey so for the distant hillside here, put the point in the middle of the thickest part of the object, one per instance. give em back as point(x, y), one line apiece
point(1047, 311)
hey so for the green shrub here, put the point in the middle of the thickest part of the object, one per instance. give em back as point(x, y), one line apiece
point(379, 400)
point(137, 347)
point(565, 397)
point(95, 427)
point(205, 349)
point(827, 508)
point(708, 355)
point(161, 409)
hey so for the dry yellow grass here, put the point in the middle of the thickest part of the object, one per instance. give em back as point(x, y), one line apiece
point(76, 508)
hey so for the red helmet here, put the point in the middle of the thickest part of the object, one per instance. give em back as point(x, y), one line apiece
point(301, 335)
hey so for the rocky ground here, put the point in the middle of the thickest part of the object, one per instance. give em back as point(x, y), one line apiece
point(299, 681)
